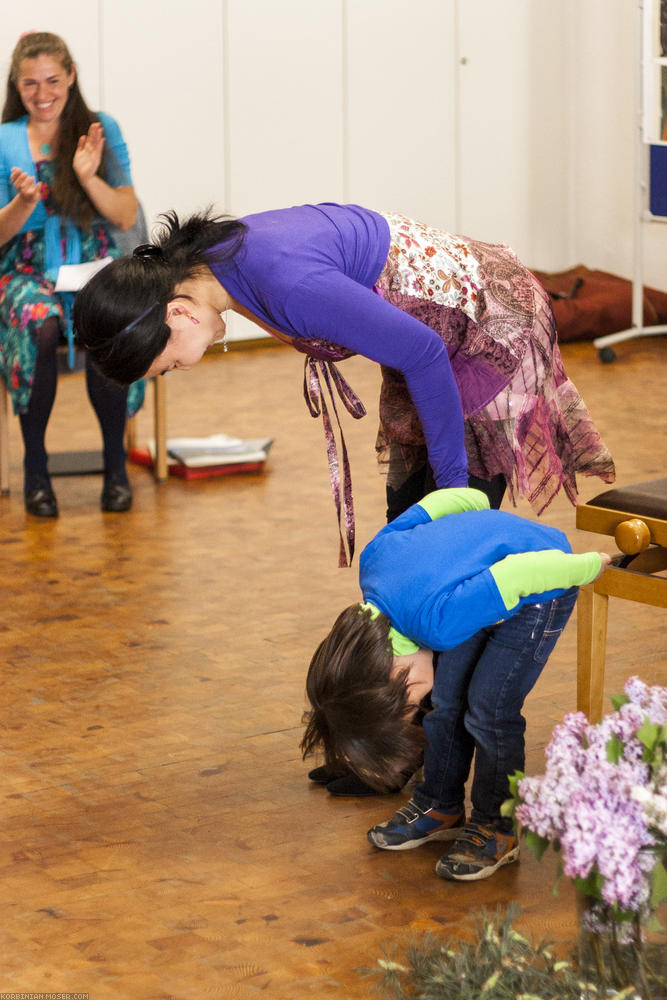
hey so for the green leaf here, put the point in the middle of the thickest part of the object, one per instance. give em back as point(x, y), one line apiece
point(559, 875)
point(508, 808)
point(649, 734)
point(622, 916)
point(390, 966)
point(491, 981)
point(618, 700)
point(614, 749)
point(514, 780)
point(591, 885)
point(658, 884)
point(537, 844)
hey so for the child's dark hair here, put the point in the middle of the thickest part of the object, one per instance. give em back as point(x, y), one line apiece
point(120, 314)
point(360, 715)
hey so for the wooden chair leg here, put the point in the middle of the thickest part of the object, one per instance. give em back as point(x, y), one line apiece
point(592, 610)
point(4, 438)
point(131, 433)
point(160, 414)
point(160, 430)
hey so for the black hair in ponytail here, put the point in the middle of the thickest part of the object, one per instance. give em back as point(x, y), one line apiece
point(120, 314)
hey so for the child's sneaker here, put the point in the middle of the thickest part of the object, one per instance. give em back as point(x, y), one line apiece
point(412, 826)
point(477, 852)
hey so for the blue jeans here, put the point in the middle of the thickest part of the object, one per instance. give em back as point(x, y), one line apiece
point(479, 691)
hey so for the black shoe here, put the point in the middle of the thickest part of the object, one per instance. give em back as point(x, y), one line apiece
point(116, 496)
point(41, 500)
point(341, 784)
point(349, 785)
point(322, 775)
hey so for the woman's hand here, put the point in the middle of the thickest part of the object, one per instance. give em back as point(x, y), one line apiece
point(117, 204)
point(28, 189)
point(88, 155)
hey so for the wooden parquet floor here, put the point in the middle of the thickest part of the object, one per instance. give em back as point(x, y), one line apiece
point(159, 837)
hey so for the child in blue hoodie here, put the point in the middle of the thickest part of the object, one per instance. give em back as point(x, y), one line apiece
point(464, 604)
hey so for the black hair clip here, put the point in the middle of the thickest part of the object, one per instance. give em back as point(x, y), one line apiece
point(147, 251)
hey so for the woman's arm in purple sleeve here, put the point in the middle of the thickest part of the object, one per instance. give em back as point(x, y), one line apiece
point(332, 306)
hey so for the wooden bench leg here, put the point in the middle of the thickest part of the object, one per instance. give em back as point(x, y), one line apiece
point(592, 610)
point(4, 438)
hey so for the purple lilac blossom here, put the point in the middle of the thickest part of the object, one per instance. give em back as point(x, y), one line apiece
point(653, 700)
point(654, 802)
point(588, 802)
point(598, 919)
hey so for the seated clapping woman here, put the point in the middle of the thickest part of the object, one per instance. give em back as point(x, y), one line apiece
point(65, 186)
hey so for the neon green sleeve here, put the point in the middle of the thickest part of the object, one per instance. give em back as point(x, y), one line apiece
point(400, 644)
point(528, 573)
point(453, 501)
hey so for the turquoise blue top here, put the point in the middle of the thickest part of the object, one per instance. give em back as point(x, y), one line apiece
point(15, 152)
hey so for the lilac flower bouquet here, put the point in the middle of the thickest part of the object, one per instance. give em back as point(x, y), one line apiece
point(602, 804)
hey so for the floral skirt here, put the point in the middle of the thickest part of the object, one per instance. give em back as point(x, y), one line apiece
point(523, 417)
point(27, 298)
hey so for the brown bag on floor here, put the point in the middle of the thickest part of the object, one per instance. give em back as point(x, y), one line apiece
point(589, 304)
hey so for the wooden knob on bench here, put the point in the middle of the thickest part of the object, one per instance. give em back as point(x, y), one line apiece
point(632, 536)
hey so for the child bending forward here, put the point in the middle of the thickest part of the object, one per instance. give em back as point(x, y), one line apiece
point(464, 603)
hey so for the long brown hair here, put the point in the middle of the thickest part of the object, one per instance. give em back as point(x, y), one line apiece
point(75, 121)
point(360, 716)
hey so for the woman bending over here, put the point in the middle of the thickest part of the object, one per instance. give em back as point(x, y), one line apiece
point(473, 386)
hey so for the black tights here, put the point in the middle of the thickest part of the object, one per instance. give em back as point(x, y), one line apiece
point(108, 400)
point(421, 482)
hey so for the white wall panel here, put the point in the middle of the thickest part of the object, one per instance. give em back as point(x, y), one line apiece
point(513, 140)
point(285, 110)
point(162, 64)
point(606, 103)
point(285, 103)
point(605, 133)
point(401, 106)
point(655, 255)
point(511, 122)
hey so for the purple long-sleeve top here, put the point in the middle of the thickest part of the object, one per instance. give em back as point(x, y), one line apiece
point(310, 271)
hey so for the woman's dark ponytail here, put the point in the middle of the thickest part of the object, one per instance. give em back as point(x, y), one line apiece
point(120, 314)
point(188, 246)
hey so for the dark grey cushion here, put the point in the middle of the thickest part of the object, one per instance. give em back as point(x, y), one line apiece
point(128, 239)
point(648, 499)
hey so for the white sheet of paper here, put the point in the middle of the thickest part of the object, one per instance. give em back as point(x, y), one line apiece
point(72, 277)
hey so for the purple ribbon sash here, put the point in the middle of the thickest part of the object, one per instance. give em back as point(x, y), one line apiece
point(315, 398)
